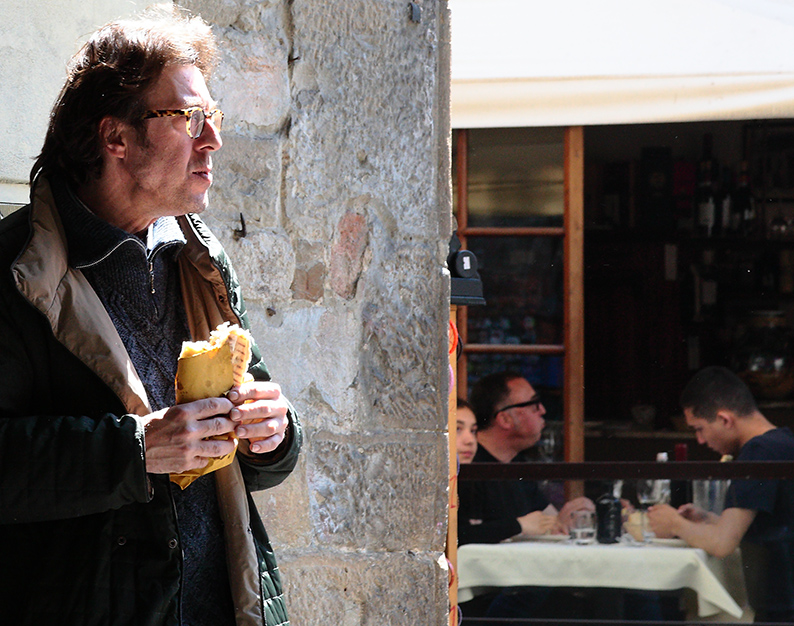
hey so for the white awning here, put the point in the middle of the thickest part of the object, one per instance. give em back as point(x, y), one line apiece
point(572, 62)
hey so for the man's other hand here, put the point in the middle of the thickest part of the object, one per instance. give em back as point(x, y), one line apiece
point(537, 523)
point(177, 438)
point(577, 504)
point(259, 415)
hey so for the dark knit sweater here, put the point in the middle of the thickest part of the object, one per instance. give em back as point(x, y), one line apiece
point(138, 283)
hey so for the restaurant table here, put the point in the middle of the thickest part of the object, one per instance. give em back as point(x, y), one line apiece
point(660, 565)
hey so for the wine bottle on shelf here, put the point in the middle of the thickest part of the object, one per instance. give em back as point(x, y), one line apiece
point(744, 203)
point(704, 285)
point(705, 200)
point(726, 222)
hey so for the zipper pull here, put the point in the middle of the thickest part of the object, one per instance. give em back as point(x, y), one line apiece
point(151, 275)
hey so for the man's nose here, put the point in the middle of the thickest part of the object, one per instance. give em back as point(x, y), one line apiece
point(210, 137)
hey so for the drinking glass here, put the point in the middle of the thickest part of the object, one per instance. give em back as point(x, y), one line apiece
point(582, 529)
point(650, 492)
point(548, 444)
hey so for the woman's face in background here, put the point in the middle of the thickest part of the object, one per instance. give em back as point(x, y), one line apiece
point(466, 434)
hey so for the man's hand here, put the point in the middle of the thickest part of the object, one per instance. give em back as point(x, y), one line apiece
point(537, 523)
point(259, 414)
point(696, 514)
point(717, 535)
point(577, 504)
point(664, 520)
point(176, 437)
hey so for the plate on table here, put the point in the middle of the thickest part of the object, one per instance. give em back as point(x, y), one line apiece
point(672, 542)
point(547, 538)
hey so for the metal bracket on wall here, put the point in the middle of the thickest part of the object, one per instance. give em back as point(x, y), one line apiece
point(415, 11)
point(237, 233)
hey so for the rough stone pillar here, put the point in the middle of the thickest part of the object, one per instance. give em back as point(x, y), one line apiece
point(336, 152)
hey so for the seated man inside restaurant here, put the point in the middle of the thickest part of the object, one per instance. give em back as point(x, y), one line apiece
point(758, 514)
point(509, 422)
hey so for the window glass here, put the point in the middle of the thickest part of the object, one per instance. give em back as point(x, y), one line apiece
point(515, 177)
point(522, 284)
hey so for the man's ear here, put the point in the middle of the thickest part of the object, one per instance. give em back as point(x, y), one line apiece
point(726, 418)
point(113, 136)
point(503, 420)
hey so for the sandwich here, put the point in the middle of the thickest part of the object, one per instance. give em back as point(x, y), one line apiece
point(209, 369)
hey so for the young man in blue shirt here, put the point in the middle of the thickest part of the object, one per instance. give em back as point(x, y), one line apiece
point(759, 514)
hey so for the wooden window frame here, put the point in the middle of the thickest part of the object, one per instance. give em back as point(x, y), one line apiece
point(572, 233)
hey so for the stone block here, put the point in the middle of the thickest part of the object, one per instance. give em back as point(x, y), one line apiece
point(347, 254)
point(368, 58)
point(308, 282)
point(253, 78)
point(285, 509)
point(308, 351)
point(247, 180)
point(264, 261)
point(266, 16)
point(395, 589)
point(369, 490)
point(404, 350)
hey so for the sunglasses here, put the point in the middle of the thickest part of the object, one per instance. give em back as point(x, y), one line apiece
point(534, 402)
point(195, 117)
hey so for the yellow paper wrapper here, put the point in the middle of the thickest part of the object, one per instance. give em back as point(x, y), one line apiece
point(208, 369)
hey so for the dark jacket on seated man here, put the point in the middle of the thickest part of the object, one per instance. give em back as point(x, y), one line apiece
point(489, 510)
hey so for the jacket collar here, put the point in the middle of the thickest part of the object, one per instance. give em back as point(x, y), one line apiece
point(63, 295)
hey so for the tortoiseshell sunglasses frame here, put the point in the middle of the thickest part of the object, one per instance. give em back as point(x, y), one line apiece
point(188, 113)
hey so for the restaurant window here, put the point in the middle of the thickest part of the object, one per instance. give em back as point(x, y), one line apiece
point(668, 291)
point(518, 205)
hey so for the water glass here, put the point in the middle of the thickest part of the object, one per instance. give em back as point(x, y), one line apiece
point(583, 527)
point(709, 495)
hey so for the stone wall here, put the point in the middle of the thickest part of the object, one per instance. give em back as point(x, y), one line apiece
point(336, 153)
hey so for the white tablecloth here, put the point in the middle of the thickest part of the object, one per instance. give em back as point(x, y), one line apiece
point(657, 566)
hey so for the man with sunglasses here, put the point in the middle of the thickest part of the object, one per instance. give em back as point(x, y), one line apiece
point(104, 275)
point(509, 423)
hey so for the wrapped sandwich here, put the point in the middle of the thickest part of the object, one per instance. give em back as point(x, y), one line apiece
point(209, 369)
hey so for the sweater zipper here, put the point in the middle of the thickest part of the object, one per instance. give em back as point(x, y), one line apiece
point(151, 275)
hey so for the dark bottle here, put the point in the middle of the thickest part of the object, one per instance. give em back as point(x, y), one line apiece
point(706, 224)
point(727, 226)
point(744, 203)
point(609, 515)
point(704, 288)
point(680, 490)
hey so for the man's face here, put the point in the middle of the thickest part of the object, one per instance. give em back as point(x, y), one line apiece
point(527, 421)
point(171, 173)
point(716, 435)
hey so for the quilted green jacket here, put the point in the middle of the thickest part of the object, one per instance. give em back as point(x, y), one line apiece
point(86, 536)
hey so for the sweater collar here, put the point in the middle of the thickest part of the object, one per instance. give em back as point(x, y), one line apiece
point(92, 239)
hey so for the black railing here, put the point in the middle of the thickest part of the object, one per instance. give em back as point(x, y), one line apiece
point(628, 470)
point(520, 621)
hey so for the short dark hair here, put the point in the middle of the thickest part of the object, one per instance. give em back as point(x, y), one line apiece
point(487, 393)
point(111, 76)
point(716, 388)
point(465, 404)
